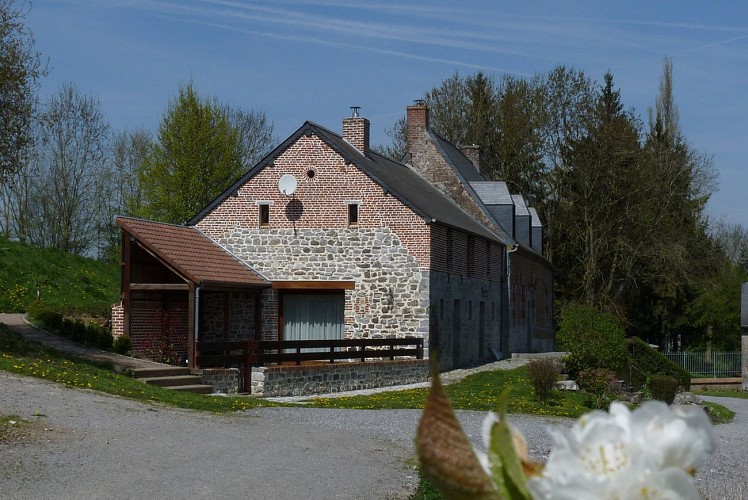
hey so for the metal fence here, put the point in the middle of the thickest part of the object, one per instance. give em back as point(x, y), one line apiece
point(708, 364)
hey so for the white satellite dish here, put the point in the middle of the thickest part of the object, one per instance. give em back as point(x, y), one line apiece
point(287, 184)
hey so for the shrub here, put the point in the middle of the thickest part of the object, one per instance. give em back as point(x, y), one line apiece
point(122, 344)
point(98, 336)
point(599, 383)
point(593, 339)
point(51, 320)
point(662, 388)
point(647, 361)
point(543, 375)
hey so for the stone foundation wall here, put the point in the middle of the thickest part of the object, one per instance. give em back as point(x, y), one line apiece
point(223, 380)
point(745, 363)
point(273, 381)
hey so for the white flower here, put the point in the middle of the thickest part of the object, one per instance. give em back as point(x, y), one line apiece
point(518, 441)
point(620, 454)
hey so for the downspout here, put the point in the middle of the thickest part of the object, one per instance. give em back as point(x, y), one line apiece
point(510, 249)
point(507, 315)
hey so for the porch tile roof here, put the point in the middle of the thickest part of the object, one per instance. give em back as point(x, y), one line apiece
point(191, 253)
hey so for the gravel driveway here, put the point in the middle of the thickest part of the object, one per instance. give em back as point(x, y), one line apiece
point(99, 446)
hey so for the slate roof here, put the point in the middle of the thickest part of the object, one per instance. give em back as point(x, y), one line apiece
point(534, 217)
point(192, 254)
point(493, 192)
point(397, 179)
point(458, 159)
point(519, 202)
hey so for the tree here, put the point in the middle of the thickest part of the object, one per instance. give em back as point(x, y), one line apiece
point(123, 196)
point(516, 153)
point(399, 135)
point(255, 133)
point(201, 149)
point(598, 205)
point(20, 71)
point(58, 195)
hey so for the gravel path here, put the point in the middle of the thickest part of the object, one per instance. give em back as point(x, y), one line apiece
point(99, 446)
point(90, 445)
point(725, 474)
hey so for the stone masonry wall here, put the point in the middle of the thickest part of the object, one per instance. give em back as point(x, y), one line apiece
point(223, 380)
point(465, 319)
point(303, 380)
point(391, 291)
point(241, 316)
point(745, 362)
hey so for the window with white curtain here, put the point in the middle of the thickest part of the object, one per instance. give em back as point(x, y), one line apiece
point(310, 316)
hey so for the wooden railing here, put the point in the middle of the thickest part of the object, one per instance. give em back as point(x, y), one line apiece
point(331, 350)
point(244, 354)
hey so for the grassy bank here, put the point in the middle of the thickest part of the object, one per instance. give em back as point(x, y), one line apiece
point(44, 278)
point(18, 355)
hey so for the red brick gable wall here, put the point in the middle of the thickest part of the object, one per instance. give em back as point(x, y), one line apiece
point(426, 158)
point(320, 200)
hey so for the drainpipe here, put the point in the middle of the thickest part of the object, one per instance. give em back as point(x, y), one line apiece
point(510, 249)
point(507, 315)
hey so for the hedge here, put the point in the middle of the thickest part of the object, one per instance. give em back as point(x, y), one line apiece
point(649, 361)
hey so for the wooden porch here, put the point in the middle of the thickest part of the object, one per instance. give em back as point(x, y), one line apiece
point(245, 354)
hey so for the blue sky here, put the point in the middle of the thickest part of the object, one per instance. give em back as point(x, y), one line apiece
point(312, 60)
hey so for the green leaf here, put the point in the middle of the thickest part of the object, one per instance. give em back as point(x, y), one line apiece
point(506, 465)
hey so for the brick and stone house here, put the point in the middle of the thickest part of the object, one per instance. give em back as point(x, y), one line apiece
point(358, 246)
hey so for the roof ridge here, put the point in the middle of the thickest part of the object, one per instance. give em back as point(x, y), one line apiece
point(151, 221)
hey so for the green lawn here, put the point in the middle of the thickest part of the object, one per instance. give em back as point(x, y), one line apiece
point(480, 392)
point(66, 283)
point(724, 394)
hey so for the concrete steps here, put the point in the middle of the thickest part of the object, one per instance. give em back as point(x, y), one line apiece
point(172, 377)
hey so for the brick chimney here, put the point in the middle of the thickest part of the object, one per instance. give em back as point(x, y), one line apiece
point(472, 151)
point(356, 131)
point(418, 123)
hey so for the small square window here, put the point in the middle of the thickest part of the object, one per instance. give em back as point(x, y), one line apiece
point(264, 215)
point(353, 214)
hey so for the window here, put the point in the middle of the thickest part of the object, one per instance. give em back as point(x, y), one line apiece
point(312, 316)
point(353, 214)
point(264, 214)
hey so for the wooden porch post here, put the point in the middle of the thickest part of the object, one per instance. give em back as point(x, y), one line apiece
point(191, 326)
point(125, 267)
point(258, 315)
